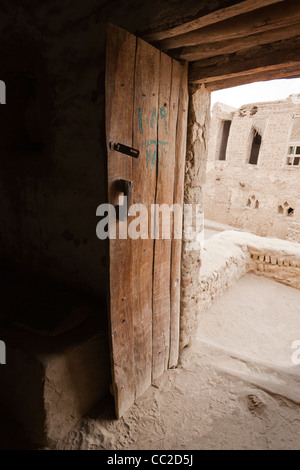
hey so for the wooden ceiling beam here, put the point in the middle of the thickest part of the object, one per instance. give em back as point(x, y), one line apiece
point(205, 51)
point(214, 17)
point(257, 59)
point(286, 13)
point(281, 72)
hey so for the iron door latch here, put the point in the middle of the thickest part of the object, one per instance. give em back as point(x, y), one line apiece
point(124, 149)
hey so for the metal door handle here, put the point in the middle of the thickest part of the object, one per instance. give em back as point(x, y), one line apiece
point(124, 187)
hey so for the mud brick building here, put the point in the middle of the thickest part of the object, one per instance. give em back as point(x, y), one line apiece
point(253, 167)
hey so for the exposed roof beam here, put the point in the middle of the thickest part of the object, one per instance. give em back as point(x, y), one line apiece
point(204, 51)
point(211, 18)
point(286, 13)
point(257, 59)
point(281, 72)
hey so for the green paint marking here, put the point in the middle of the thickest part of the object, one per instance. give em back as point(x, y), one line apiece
point(154, 142)
point(151, 155)
point(156, 153)
point(162, 158)
point(153, 117)
point(140, 120)
point(163, 115)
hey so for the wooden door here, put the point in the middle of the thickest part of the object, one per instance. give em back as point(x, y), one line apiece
point(146, 109)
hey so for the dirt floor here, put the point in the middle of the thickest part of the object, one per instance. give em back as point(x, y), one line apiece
point(235, 388)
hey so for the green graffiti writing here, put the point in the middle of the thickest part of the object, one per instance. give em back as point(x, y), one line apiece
point(163, 115)
point(158, 151)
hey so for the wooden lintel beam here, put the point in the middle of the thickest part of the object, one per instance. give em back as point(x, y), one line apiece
point(209, 19)
point(286, 13)
point(270, 57)
point(205, 51)
point(285, 72)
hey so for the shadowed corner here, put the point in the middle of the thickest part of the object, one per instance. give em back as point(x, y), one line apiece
point(2, 92)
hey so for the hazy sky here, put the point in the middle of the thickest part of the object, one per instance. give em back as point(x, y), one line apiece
point(257, 92)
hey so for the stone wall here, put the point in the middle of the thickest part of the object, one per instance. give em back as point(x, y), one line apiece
point(258, 198)
point(293, 232)
point(197, 141)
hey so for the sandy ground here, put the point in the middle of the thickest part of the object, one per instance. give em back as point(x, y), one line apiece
point(208, 233)
point(211, 227)
point(257, 318)
point(235, 388)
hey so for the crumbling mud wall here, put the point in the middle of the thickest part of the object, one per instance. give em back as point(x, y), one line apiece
point(223, 264)
point(262, 197)
point(270, 257)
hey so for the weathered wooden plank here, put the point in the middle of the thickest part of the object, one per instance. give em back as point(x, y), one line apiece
point(162, 252)
point(170, 74)
point(205, 51)
point(180, 152)
point(144, 179)
point(262, 58)
point(281, 72)
point(120, 65)
point(209, 19)
point(284, 14)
